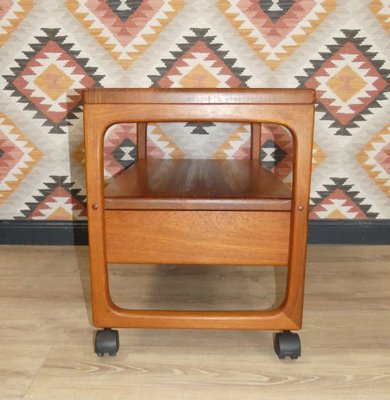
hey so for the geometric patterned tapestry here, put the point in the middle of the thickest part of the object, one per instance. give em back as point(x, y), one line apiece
point(51, 50)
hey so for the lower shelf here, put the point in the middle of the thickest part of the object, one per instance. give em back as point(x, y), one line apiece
point(197, 237)
point(186, 184)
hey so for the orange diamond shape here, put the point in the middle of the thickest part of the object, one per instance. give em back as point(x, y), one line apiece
point(53, 82)
point(346, 83)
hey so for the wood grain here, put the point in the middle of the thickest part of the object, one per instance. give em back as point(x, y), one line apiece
point(197, 237)
point(142, 128)
point(197, 185)
point(19, 364)
point(256, 142)
point(47, 352)
point(198, 96)
point(292, 108)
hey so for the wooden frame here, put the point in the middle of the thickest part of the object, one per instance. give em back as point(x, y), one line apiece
point(293, 108)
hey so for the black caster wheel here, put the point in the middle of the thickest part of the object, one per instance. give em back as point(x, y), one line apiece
point(287, 344)
point(106, 341)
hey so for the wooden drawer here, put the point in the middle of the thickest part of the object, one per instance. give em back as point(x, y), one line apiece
point(197, 237)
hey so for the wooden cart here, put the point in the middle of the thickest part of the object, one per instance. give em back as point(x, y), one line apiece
point(198, 211)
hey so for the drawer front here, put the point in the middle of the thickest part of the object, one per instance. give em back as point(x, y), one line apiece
point(197, 237)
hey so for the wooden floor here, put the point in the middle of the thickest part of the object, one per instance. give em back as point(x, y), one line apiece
point(46, 334)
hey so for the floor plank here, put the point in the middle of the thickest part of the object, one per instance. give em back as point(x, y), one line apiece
point(19, 364)
point(225, 372)
point(46, 333)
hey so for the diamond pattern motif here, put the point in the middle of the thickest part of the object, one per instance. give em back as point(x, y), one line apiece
point(275, 29)
point(350, 79)
point(200, 61)
point(51, 51)
point(58, 200)
point(49, 80)
point(125, 28)
point(340, 200)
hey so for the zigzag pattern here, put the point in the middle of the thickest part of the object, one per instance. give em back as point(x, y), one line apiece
point(51, 42)
point(18, 156)
point(375, 159)
point(214, 48)
point(48, 199)
point(12, 14)
point(50, 51)
point(380, 8)
point(274, 30)
point(125, 33)
point(324, 105)
point(348, 199)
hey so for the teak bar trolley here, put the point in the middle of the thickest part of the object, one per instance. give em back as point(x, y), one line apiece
point(198, 211)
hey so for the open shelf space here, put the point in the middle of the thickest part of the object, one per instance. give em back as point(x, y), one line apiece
point(194, 184)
